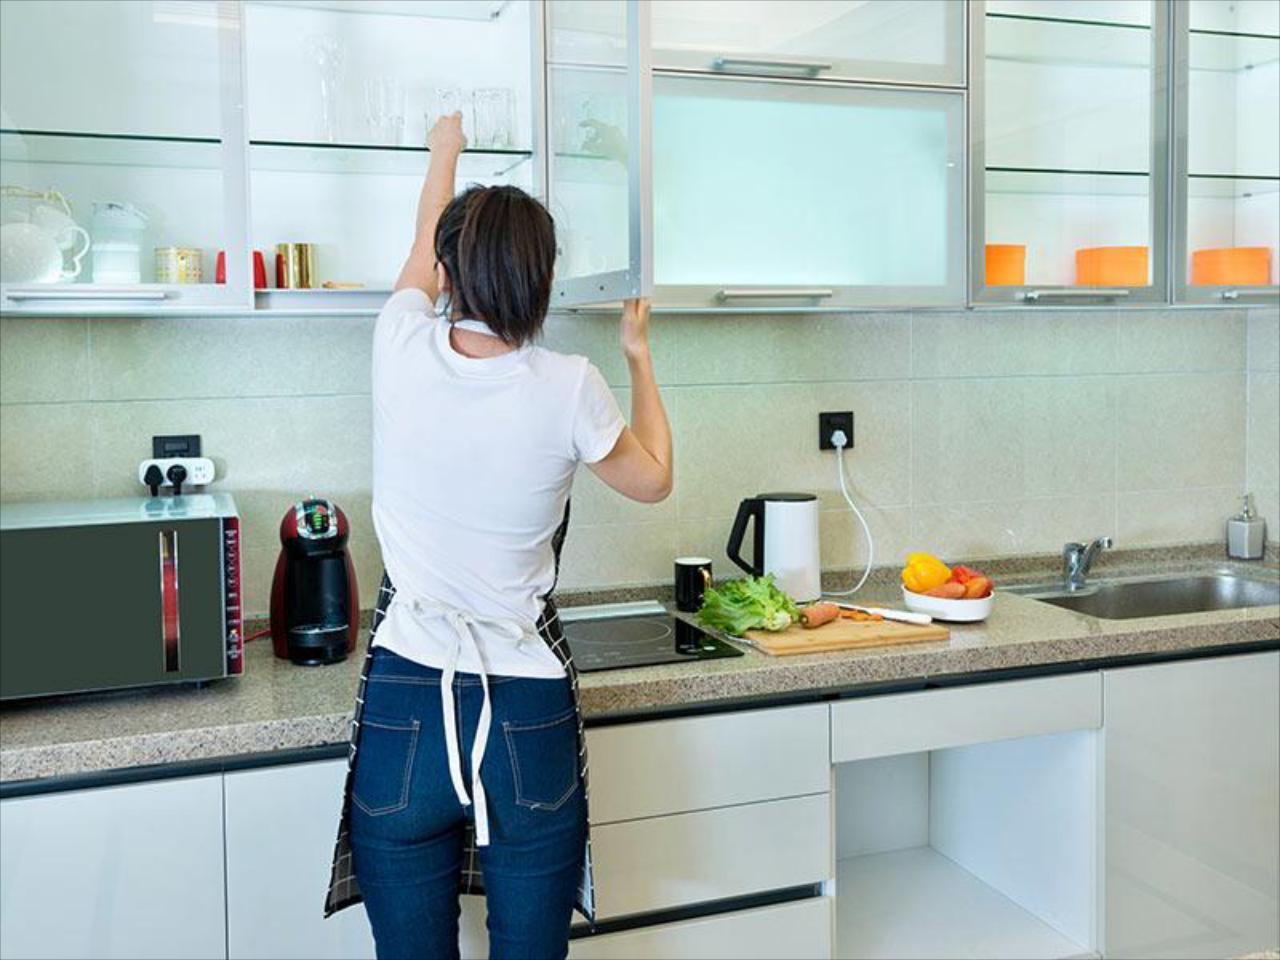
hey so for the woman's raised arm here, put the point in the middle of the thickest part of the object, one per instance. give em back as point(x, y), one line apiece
point(446, 141)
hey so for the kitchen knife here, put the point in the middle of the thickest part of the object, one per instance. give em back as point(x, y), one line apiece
point(902, 616)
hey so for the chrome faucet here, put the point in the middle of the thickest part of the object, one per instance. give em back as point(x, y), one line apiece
point(1077, 558)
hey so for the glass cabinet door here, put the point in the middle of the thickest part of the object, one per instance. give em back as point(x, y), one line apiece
point(121, 156)
point(780, 193)
point(341, 96)
point(1069, 139)
point(598, 88)
point(1228, 151)
point(919, 41)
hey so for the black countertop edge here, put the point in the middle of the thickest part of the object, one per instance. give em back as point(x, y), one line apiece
point(331, 751)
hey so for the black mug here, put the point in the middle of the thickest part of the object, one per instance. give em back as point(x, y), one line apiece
point(693, 576)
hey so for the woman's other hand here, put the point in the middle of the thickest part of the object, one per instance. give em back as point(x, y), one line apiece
point(635, 329)
point(446, 135)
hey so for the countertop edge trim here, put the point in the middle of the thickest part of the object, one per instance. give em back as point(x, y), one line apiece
point(204, 766)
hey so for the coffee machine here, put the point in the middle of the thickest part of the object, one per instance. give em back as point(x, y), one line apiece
point(315, 610)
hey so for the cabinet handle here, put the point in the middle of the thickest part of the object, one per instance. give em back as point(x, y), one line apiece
point(775, 293)
point(809, 67)
point(85, 294)
point(1251, 294)
point(1034, 296)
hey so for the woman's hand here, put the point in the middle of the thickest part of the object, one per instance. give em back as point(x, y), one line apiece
point(635, 329)
point(446, 135)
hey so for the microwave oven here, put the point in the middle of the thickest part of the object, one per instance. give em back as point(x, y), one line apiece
point(105, 594)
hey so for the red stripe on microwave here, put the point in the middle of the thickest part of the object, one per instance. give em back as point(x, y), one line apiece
point(169, 624)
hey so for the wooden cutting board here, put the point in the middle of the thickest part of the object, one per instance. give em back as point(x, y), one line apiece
point(844, 635)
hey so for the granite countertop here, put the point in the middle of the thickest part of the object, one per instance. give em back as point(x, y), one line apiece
point(277, 706)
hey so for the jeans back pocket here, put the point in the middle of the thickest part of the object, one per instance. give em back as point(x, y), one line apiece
point(544, 760)
point(384, 766)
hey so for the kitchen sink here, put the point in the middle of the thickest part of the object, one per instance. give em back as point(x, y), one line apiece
point(1156, 596)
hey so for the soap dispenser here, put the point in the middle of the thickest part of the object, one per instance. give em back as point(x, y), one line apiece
point(1246, 533)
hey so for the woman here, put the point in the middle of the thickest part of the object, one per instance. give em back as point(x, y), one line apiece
point(467, 757)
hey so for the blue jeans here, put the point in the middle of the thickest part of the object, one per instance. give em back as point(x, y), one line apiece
point(407, 822)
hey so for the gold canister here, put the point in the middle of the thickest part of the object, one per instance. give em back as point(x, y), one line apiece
point(295, 266)
point(179, 265)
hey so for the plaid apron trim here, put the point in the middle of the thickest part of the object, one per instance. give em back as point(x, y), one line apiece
point(344, 891)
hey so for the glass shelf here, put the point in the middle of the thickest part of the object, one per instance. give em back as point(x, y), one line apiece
point(108, 149)
point(1025, 38)
point(282, 155)
point(431, 9)
point(1210, 185)
point(1221, 50)
point(1068, 182)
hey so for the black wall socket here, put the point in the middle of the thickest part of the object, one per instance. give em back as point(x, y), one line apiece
point(829, 423)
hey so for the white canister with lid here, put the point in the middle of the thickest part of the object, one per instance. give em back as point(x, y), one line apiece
point(118, 229)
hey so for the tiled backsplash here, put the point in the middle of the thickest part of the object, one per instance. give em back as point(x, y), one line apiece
point(977, 434)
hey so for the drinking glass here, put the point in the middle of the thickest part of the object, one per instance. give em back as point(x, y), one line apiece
point(328, 53)
point(446, 100)
point(384, 109)
point(494, 117)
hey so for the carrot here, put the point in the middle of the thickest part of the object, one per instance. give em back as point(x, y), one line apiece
point(818, 614)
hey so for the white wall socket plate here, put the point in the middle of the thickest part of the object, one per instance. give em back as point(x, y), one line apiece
point(199, 470)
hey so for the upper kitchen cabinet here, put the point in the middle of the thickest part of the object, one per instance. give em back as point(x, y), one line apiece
point(785, 194)
point(341, 95)
point(121, 156)
point(1227, 153)
point(913, 41)
point(1069, 156)
point(598, 128)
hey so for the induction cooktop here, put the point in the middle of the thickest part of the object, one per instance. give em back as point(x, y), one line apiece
point(636, 635)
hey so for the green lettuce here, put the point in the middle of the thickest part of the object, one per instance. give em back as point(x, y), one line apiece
point(752, 603)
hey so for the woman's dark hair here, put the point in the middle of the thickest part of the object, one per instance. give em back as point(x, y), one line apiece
point(498, 246)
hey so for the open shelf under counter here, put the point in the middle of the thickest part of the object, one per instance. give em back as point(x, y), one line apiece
point(918, 903)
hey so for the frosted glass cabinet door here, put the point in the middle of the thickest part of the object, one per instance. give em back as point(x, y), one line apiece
point(1192, 793)
point(598, 89)
point(1228, 158)
point(1069, 132)
point(121, 135)
point(830, 194)
point(918, 41)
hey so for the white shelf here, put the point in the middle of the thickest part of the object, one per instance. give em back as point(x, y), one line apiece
point(437, 9)
point(917, 903)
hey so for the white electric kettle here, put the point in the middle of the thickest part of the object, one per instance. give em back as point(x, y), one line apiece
point(785, 541)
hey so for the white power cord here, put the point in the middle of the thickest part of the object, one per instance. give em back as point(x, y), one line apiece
point(840, 441)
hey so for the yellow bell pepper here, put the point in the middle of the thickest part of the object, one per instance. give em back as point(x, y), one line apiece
point(923, 572)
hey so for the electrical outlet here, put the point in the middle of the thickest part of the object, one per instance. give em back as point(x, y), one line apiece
point(829, 423)
point(199, 470)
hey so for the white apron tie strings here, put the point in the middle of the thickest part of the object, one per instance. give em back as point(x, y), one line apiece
point(463, 625)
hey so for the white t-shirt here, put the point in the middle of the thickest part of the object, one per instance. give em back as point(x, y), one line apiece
point(473, 461)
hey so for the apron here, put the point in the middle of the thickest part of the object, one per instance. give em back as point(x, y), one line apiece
point(343, 889)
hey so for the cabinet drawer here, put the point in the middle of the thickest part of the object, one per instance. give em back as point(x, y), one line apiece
point(801, 929)
point(666, 862)
point(957, 716)
point(670, 766)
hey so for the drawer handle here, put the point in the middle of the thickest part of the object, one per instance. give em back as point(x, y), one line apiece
point(807, 67)
point(1035, 296)
point(775, 293)
point(86, 294)
point(1251, 294)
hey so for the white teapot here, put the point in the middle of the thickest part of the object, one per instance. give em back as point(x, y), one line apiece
point(34, 241)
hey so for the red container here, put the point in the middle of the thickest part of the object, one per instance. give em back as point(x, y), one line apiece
point(259, 269)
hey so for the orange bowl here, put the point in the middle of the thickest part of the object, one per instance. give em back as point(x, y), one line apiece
point(1111, 267)
point(1242, 266)
point(1006, 264)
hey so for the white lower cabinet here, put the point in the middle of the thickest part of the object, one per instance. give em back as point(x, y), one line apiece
point(281, 825)
point(132, 871)
point(1193, 808)
point(795, 931)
